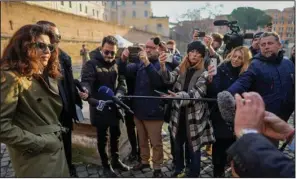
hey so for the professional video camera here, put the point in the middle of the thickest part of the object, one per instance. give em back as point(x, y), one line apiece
point(234, 38)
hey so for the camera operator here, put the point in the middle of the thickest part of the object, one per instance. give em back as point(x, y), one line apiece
point(149, 118)
point(255, 44)
point(253, 155)
point(102, 70)
point(272, 76)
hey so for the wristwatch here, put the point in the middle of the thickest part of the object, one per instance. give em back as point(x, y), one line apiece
point(247, 131)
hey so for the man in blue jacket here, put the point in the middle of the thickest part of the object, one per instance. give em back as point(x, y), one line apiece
point(272, 76)
point(149, 117)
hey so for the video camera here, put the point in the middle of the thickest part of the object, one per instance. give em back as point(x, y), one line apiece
point(234, 38)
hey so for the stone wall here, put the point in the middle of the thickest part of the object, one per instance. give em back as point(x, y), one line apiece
point(75, 30)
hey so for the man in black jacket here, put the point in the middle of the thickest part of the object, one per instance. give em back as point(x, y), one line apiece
point(69, 96)
point(102, 70)
point(254, 156)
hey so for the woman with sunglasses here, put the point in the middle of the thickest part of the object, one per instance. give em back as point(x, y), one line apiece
point(189, 119)
point(31, 105)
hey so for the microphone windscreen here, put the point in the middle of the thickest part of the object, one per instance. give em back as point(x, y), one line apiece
point(220, 22)
point(226, 104)
point(157, 41)
point(105, 91)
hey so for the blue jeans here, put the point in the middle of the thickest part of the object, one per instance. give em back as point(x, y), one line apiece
point(194, 158)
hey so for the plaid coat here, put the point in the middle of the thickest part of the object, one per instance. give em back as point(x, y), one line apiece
point(199, 128)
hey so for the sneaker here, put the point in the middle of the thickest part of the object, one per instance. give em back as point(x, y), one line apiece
point(141, 166)
point(158, 174)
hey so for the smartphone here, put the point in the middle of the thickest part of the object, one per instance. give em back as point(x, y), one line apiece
point(160, 93)
point(201, 34)
point(214, 62)
point(169, 57)
point(133, 52)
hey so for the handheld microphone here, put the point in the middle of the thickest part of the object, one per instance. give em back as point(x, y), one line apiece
point(109, 94)
point(226, 104)
point(99, 104)
point(78, 85)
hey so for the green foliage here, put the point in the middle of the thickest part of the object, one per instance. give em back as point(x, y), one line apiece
point(250, 18)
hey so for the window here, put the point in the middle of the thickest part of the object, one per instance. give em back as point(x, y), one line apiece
point(80, 7)
point(159, 26)
point(133, 2)
point(97, 13)
point(86, 9)
point(70, 4)
point(123, 13)
point(145, 13)
point(133, 14)
point(62, 3)
point(123, 3)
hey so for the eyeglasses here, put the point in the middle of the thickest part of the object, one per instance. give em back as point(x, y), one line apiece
point(42, 46)
point(107, 52)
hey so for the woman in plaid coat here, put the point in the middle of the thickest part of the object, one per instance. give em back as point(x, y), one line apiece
point(189, 121)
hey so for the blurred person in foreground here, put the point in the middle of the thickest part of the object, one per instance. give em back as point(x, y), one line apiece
point(254, 156)
point(31, 104)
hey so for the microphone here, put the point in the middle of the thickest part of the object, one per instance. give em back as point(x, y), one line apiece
point(99, 104)
point(226, 104)
point(78, 85)
point(109, 94)
point(223, 22)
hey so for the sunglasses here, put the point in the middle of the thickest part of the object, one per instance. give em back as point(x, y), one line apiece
point(107, 52)
point(42, 46)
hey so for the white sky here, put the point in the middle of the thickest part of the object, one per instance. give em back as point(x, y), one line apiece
point(174, 9)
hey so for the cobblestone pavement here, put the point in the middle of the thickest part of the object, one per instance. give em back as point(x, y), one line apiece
point(93, 171)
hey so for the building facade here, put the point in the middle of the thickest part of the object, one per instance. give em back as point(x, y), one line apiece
point(283, 22)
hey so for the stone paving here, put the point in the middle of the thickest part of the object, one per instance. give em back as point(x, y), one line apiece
point(94, 171)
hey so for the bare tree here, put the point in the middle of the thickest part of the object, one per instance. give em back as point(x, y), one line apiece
point(192, 20)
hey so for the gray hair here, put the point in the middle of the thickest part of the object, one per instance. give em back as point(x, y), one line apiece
point(274, 34)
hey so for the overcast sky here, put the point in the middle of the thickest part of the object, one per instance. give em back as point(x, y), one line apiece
point(174, 9)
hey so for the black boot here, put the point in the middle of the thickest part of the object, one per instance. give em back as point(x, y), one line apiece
point(118, 164)
point(158, 174)
point(108, 172)
point(72, 171)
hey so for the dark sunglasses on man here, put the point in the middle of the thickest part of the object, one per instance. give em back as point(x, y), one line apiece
point(107, 52)
point(42, 46)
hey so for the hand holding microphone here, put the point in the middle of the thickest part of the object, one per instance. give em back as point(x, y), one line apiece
point(82, 91)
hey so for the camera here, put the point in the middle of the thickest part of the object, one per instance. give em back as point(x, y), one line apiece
point(234, 38)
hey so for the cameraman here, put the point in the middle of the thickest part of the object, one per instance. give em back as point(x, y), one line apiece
point(255, 48)
point(149, 118)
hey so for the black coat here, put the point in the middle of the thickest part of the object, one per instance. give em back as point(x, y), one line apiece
point(96, 73)
point(225, 77)
point(67, 90)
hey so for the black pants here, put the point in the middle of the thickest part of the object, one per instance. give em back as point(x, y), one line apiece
point(131, 131)
point(172, 144)
point(219, 155)
point(115, 133)
point(67, 141)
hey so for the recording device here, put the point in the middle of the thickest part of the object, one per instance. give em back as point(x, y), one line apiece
point(214, 62)
point(234, 38)
point(226, 104)
point(109, 94)
point(133, 53)
point(200, 34)
point(157, 41)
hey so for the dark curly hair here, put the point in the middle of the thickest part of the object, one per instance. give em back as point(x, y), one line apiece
point(20, 56)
